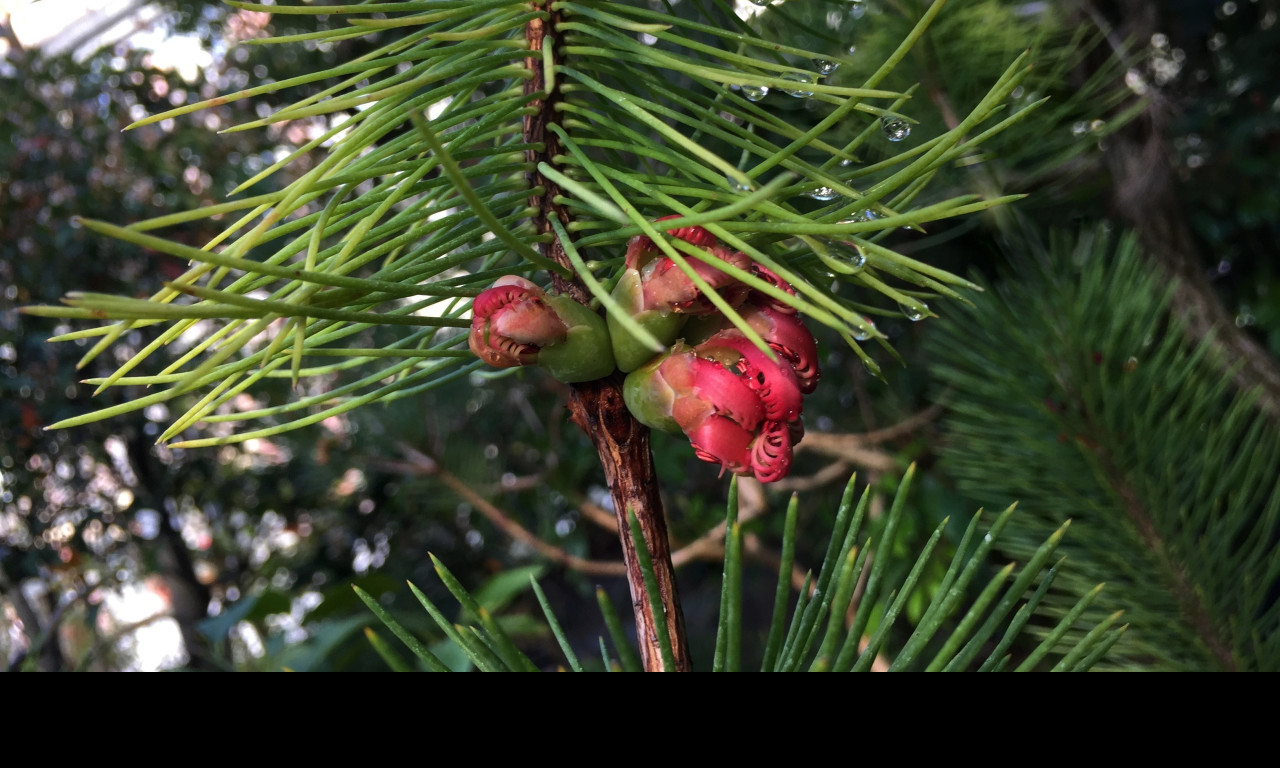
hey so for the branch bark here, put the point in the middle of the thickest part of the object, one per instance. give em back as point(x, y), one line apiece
point(1145, 196)
point(597, 407)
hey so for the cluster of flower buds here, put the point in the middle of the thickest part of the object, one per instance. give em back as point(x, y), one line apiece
point(739, 405)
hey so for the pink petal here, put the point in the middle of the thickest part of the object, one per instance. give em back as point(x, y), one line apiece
point(774, 382)
point(695, 235)
point(706, 388)
point(666, 286)
point(767, 275)
point(728, 393)
point(785, 334)
point(722, 441)
point(772, 453)
point(789, 337)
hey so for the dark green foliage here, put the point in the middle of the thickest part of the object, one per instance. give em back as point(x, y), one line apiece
point(1073, 389)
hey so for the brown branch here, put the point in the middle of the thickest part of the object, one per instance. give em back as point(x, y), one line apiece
point(1145, 195)
point(848, 448)
point(833, 472)
point(421, 464)
point(597, 407)
point(904, 427)
point(709, 546)
point(856, 448)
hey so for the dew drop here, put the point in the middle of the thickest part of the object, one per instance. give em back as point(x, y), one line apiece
point(857, 9)
point(823, 194)
point(761, 3)
point(915, 311)
point(845, 163)
point(842, 252)
point(894, 128)
point(737, 185)
point(798, 77)
point(866, 214)
point(862, 334)
point(754, 92)
point(853, 49)
point(825, 66)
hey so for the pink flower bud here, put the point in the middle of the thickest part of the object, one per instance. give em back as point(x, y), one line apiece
point(511, 322)
point(790, 339)
point(680, 391)
point(642, 246)
point(707, 388)
point(664, 285)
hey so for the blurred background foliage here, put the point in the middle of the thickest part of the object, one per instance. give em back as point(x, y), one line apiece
point(116, 553)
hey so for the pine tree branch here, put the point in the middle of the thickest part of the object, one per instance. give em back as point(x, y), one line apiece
point(598, 407)
point(1180, 583)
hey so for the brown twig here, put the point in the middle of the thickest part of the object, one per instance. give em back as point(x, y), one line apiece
point(709, 546)
point(597, 407)
point(904, 427)
point(598, 515)
point(836, 471)
point(858, 448)
point(421, 464)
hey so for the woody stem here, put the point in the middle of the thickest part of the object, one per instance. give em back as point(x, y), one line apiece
point(597, 407)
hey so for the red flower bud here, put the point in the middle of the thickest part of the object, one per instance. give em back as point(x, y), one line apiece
point(785, 334)
point(696, 235)
point(641, 246)
point(511, 321)
point(680, 391)
point(707, 388)
point(667, 288)
point(791, 340)
point(516, 323)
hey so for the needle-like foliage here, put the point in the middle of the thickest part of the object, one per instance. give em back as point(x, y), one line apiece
point(491, 137)
point(962, 628)
point(1073, 389)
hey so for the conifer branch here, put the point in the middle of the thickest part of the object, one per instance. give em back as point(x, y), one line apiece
point(1180, 584)
point(598, 407)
